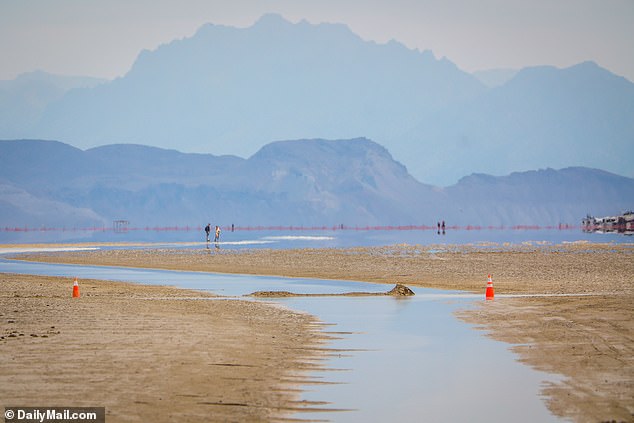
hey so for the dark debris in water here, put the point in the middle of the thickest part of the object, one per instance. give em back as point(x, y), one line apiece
point(398, 291)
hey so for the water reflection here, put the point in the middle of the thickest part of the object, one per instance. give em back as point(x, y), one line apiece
point(334, 237)
point(411, 360)
point(421, 364)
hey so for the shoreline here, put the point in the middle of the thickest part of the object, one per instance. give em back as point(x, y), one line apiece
point(147, 353)
point(588, 340)
point(569, 268)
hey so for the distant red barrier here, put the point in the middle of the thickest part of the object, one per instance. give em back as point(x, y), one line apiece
point(291, 228)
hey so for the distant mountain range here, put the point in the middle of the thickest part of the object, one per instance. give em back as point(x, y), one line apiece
point(231, 91)
point(24, 99)
point(542, 117)
point(308, 182)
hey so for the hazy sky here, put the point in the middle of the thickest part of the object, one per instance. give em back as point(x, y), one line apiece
point(103, 38)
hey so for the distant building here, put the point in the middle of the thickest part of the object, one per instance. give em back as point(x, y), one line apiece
point(622, 224)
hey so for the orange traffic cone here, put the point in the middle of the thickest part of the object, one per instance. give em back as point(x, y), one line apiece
point(75, 289)
point(489, 291)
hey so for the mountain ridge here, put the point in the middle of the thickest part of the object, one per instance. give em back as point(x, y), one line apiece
point(536, 118)
point(300, 182)
point(228, 90)
point(274, 80)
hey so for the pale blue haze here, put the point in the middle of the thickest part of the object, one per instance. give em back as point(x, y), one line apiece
point(102, 38)
point(229, 90)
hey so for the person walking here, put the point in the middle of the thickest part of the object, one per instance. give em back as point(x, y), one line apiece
point(217, 237)
point(207, 230)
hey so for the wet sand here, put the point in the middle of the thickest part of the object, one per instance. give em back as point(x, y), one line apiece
point(152, 353)
point(587, 337)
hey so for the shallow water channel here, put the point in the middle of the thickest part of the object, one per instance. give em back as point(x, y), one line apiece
point(410, 359)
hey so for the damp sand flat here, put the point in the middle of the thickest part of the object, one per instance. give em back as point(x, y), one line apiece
point(587, 339)
point(151, 353)
point(409, 351)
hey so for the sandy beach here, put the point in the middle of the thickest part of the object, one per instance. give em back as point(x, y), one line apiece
point(573, 318)
point(152, 353)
